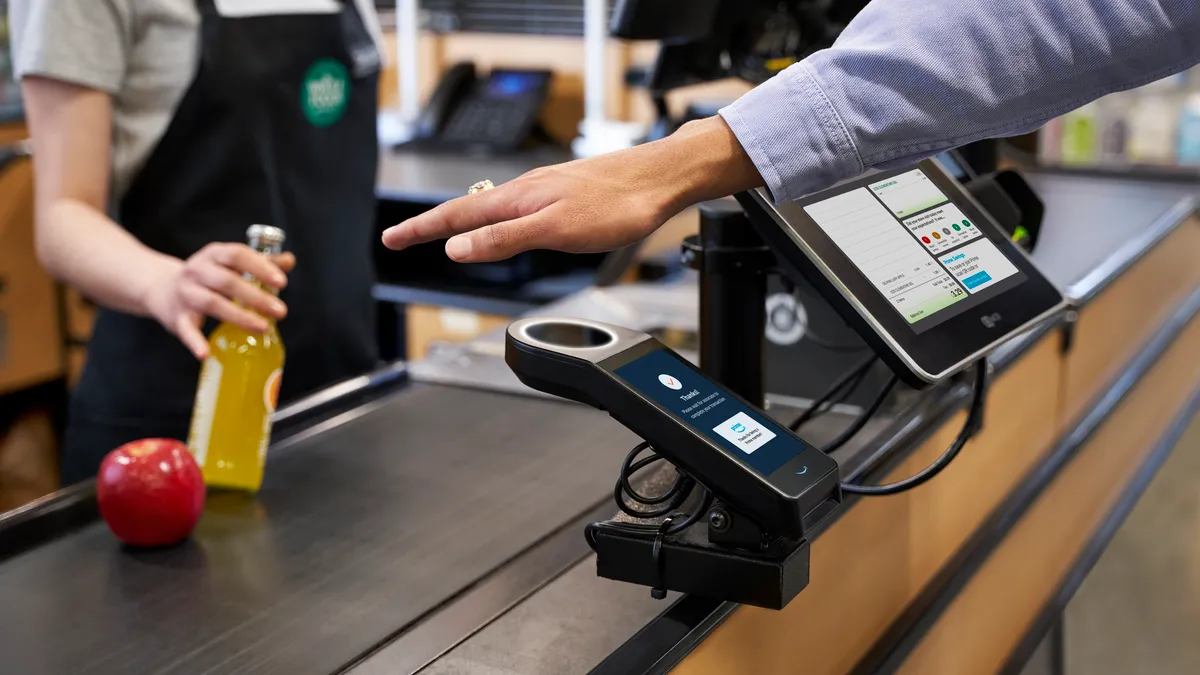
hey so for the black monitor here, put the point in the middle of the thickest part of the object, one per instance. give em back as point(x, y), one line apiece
point(708, 40)
point(668, 21)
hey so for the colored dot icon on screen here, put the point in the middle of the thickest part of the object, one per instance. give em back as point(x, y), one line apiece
point(927, 240)
point(957, 227)
point(936, 235)
point(968, 223)
point(946, 231)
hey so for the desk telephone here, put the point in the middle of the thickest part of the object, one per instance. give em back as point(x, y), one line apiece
point(499, 111)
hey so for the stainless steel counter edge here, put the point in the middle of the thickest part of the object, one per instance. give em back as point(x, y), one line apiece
point(1084, 290)
point(388, 374)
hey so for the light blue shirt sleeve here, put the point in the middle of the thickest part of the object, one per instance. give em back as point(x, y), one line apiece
point(908, 79)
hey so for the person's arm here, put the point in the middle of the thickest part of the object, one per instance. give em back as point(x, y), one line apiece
point(908, 79)
point(70, 127)
point(76, 242)
point(69, 56)
point(905, 80)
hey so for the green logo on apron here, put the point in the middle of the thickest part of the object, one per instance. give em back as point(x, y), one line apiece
point(324, 92)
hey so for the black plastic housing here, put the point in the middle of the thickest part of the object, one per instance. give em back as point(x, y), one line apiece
point(689, 563)
point(729, 479)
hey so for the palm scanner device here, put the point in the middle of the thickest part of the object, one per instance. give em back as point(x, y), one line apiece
point(769, 485)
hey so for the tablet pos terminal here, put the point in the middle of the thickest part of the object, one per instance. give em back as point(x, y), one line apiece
point(913, 263)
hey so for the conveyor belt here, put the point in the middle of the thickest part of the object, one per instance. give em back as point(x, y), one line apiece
point(358, 531)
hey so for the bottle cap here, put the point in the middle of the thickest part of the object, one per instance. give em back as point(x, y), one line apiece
point(265, 236)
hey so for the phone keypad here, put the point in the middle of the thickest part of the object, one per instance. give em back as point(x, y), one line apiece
point(486, 122)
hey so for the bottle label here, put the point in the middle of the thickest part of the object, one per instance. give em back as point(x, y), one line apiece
point(271, 390)
point(264, 440)
point(270, 400)
point(204, 409)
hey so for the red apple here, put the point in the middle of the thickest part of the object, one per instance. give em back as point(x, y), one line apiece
point(150, 492)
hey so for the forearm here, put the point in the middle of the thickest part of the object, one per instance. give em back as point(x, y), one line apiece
point(910, 78)
point(83, 248)
point(76, 242)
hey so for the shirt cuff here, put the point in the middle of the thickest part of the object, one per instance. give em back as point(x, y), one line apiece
point(793, 135)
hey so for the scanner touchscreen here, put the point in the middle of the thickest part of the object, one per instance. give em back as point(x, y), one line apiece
point(747, 434)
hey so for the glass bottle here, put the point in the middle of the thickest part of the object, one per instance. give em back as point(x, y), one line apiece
point(237, 393)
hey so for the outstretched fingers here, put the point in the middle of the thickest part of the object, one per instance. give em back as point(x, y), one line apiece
point(454, 217)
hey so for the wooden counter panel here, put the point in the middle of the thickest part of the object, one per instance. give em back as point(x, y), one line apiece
point(879, 555)
point(1020, 425)
point(30, 332)
point(983, 625)
point(1116, 323)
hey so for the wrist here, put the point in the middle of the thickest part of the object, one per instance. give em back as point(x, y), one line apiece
point(156, 284)
point(709, 162)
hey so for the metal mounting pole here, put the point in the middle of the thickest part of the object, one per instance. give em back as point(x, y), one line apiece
point(733, 262)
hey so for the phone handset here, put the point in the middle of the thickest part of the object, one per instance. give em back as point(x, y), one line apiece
point(455, 85)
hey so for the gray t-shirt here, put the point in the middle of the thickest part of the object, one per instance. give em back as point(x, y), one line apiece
point(142, 52)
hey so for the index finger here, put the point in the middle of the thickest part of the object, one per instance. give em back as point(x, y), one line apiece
point(242, 258)
point(456, 216)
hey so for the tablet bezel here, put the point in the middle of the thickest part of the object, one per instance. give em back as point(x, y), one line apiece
point(939, 351)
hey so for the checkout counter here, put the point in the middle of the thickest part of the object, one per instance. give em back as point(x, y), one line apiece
point(429, 517)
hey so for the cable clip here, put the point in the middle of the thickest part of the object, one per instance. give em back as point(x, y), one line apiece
point(658, 591)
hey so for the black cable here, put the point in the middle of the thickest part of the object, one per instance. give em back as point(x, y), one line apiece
point(970, 428)
point(672, 498)
point(847, 392)
point(815, 409)
point(829, 345)
point(814, 412)
point(863, 418)
point(628, 469)
point(697, 513)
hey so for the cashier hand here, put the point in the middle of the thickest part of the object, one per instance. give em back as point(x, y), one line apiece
point(209, 283)
point(588, 205)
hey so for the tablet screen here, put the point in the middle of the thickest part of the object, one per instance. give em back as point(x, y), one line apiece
point(919, 250)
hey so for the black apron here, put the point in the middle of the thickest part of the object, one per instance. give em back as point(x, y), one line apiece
point(278, 127)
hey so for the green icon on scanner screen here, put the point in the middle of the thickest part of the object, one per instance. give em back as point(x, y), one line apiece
point(967, 223)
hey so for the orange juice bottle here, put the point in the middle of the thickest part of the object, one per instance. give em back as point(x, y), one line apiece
point(236, 395)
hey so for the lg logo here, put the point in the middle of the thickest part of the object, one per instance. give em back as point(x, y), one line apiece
point(990, 320)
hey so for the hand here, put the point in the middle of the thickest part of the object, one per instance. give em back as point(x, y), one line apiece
point(208, 283)
point(589, 205)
